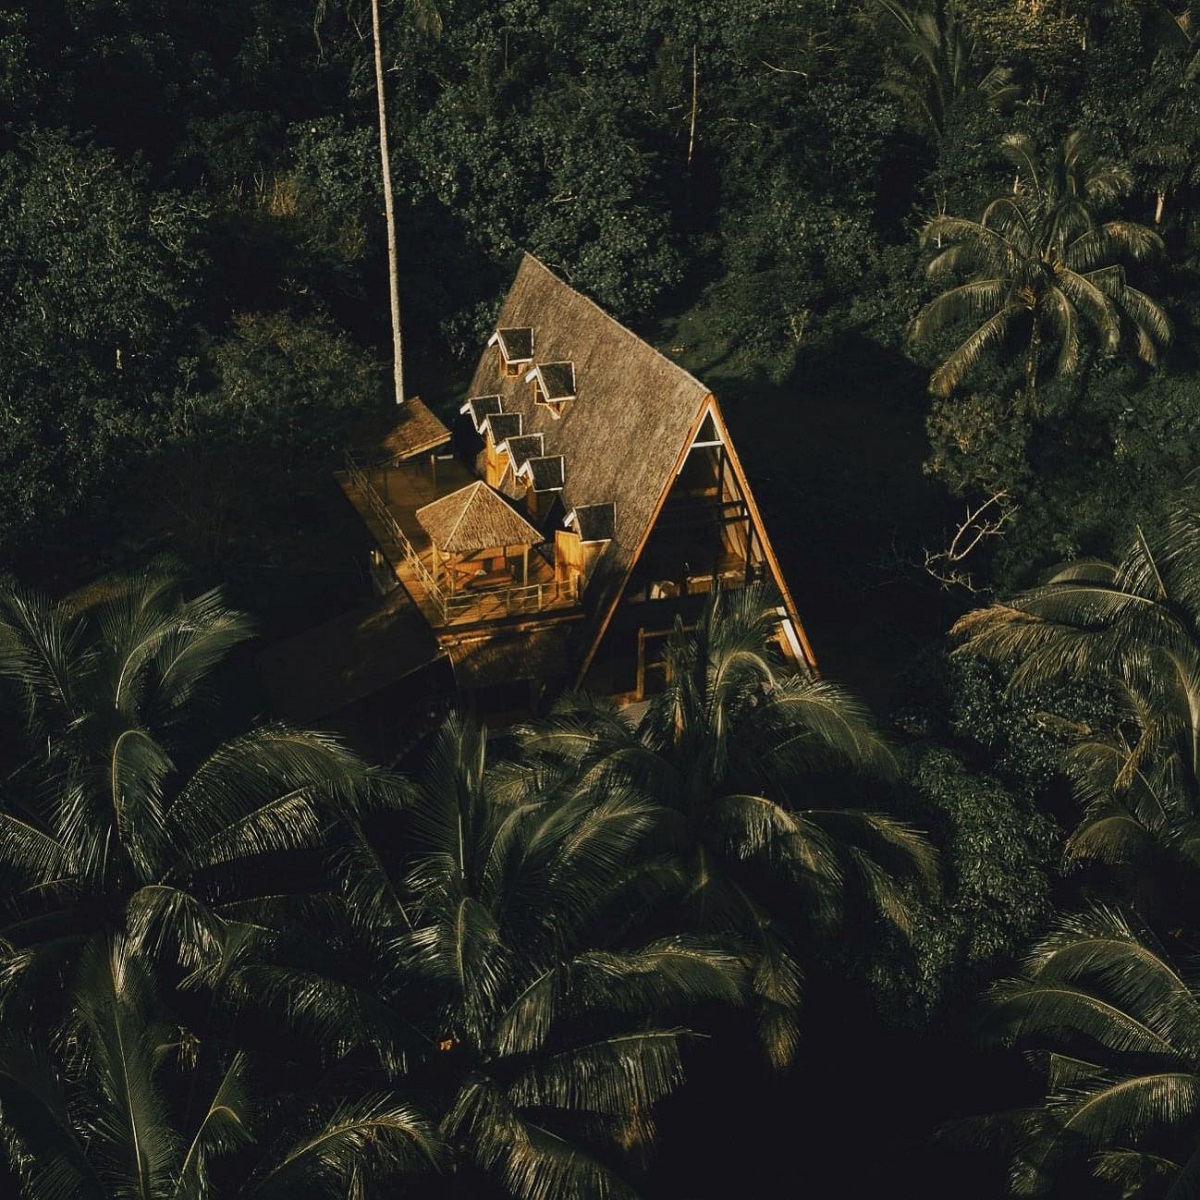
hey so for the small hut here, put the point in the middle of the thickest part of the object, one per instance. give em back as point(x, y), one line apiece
point(473, 532)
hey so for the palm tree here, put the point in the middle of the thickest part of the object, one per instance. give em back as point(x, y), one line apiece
point(935, 68)
point(1117, 1026)
point(1041, 266)
point(389, 207)
point(128, 1105)
point(110, 821)
point(1134, 629)
point(727, 753)
point(503, 968)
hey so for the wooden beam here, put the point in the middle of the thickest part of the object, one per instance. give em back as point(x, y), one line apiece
point(709, 400)
point(757, 526)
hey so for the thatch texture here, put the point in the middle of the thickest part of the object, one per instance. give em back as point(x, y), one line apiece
point(475, 518)
point(417, 431)
point(540, 654)
point(394, 434)
point(326, 669)
point(625, 431)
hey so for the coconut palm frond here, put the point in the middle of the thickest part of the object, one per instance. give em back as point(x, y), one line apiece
point(656, 978)
point(961, 361)
point(816, 724)
point(223, 1129)
point(533, 1162)
point(378, 1133)
point(126, 1121)
point(1042, 253)
point(40, 653)
point(334, 1016)
point(267, 790)
point(42, 1138)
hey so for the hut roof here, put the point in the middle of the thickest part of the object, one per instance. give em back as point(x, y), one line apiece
point(476, 517)
point(390, 434)
point(622, 436)
point(416, 432)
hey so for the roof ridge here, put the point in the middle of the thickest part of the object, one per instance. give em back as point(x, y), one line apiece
point(613, 320)
point(473, 491)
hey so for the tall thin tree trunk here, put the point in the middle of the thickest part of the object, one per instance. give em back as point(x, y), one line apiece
point(1160, 204)
point(389, 209)
point(695, 96)
point(1031, 365)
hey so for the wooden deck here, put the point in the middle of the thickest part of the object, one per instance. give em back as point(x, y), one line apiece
point(387, 499)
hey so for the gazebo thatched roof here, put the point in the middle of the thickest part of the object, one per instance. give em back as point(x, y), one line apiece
point(476, 517)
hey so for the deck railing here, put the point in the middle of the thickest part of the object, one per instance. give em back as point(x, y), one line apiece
point(516, 599)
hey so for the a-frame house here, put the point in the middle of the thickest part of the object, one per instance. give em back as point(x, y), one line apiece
point(593, 495)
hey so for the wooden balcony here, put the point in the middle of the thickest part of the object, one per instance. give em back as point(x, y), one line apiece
point(387, 498)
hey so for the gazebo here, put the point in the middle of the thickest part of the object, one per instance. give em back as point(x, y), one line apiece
point(472, 532)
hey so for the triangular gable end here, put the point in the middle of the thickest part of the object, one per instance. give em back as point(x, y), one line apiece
point(796, 635)
point(709, 429)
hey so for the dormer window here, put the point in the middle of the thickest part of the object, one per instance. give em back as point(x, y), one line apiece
point(499, 427)
point(546, 474)
point(594, 523)
point(518, 449)
point(479, 408)
point(516, 349)
point(553, 385)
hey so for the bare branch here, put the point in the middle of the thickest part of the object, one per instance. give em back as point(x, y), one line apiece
point(987, 520)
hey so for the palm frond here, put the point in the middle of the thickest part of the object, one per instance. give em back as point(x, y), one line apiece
point(378, 1132)
point(223, 1129)
point(654, 979)
point(615, 1075)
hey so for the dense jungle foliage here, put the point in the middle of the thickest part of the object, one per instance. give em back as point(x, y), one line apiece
point(941, 261)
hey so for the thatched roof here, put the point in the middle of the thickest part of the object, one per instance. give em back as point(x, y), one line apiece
point(622, 436)
point(476, 517)
point(539, 654)
point(417, 431)
point(392, 434)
